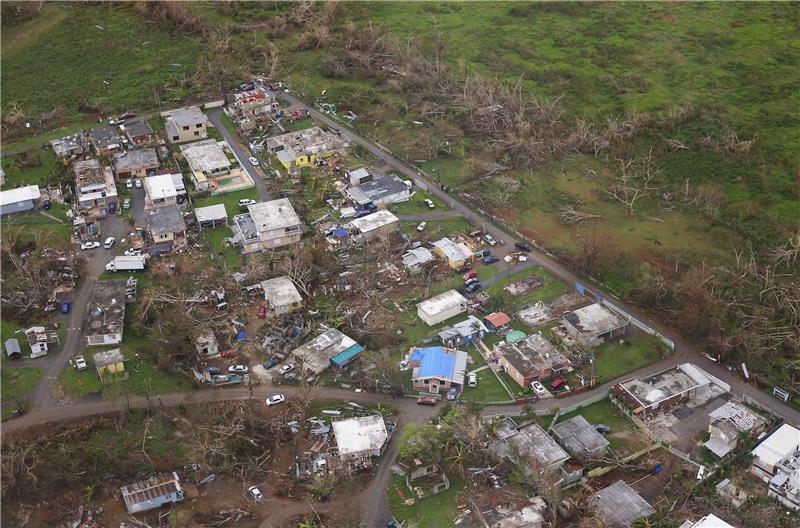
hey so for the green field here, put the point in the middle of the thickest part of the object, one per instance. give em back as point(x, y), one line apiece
point(489, 389)
point(18, 382)
point(615, 359)
point(439, 510)
point(232, 256)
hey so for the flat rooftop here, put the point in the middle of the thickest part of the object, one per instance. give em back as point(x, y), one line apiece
point(281, 291)
point(107, 136)
point(536, 446)
point(188, 116)
point(373, 221)
point(619, 505)
point(359, 435)
point(135, 159)
point(579, 437)
point(165, 220)
point(275, 214)
point(376, 190)
point(64, 145)
point(595, 319)
point(533, 354)
point(138, 128)
point(665, 384)
point(205, 156)
point(443, 302)
point(777, 446)
point(211, 212)
point(20, 194)
point(108, 357)
point(160, 187)
point(106, 308)
point(312, 140)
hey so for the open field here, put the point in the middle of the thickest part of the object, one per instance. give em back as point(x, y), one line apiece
point(613, 360)
point(17, 382)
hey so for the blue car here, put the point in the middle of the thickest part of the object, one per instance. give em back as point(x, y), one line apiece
point(490, 259)
point(65, 308)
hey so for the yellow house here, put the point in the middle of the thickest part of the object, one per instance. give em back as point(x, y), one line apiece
point(456, 254)
point(110, 365)
point(295, 150)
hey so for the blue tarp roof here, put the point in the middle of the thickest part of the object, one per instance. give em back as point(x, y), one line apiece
point(345, 356)
point(434, 361)
point(241, 336)
point(339, 232)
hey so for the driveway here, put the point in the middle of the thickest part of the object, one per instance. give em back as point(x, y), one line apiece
point(256, 174)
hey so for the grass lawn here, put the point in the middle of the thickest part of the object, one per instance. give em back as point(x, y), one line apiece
point(299, 124)
point(216, 240)
point(34, 174)
point(439, 510)
point(551, 288)
point(477, 358)
point(437, 229)
point(230, 200)
point(615, 359)
point(512, 385)
point(489, 389)
point(81, 383)
point(416, 205)
point(18, 382)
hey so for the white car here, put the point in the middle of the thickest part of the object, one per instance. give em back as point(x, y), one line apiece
point(430, 203)
point(254, 161)
point(256, 493)
point(126, 204)
point(538, 388)
point(138, 183)
point(238, 369)
point(490, 240)
point(245, 202)
point(275, 399)
point(422, 226)
point(286, 369)
point(129, 183)
point(132, 252)
point(109, 242)
point(80, 363)
point(90, 245)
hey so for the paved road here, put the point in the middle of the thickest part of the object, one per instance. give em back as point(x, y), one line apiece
point(241, 152)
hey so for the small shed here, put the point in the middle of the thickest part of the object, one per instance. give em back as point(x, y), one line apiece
point(110, 365)
point(619, 505)
point(211, 216)
point(13, 350)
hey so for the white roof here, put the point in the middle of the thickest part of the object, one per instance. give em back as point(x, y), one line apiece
point(358, 173)
point(205, 155)
point(160, 187)
point(453, 251)
point(784, 441)
point(275, 214)
point(373, 221)
point(20, 194)
point(281, 291)
point(711, 521)
point(417, 256)
point(211, 212)
point(357, 435)
point(442, 302)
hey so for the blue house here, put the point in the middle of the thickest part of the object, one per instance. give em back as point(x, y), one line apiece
point(463, 333)
point(437, 369)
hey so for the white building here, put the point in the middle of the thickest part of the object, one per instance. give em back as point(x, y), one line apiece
point(442, 307)
point(375, 225)
point(19, 199)
point(781, 443)
point(329, 348)
point(281, 294)
point(207, 160)
point(211, 216)
point(593, 325)
point(785, 485)
point(360, 437)
point(727, 422)
point(415, 259)
point(709, 521)
point(267, 225)
point(161, 190)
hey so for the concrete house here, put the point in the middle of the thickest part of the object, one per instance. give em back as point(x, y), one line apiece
point(139, 132)
point(530, 445)
point(331, 348)
point(415, 260)
point(359, 176)
point(95, 185)
point(365, 436)
point(785, 485)
point(164, 190)
point(250, 108)
point(379, 224)
point(442, 307)
point(457, 255)
point(437, 369)
point(267, 225)
point(107, 140)
point(781, 443)
point(207, 161)
point(382, 192)
point(295, 150)
point(463, 333)
point(207, 345)
point(281, 295)
point(19, 199)
point(426, 480)
point(709, 521)
point(667, 388)
point(106, 313)
point(727, 422)
point(136, 163)
point(531, 359)
point(110, 365)
point(153, 493)
point(167, 227)
point(579, 437)
point(593, 325)
point(619, 505)
point(71, 145)
point(186, 124)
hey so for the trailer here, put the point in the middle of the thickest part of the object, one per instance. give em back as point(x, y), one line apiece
point(127, 263)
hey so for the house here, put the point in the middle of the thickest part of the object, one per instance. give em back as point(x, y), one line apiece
point(13, 351)
point(667, 388)
point(426, 480)
point(508, 508)
point(593, 325)
point(211, 216)
point(152, 493)
point(437, 369)
point(295, 150)
point(267, 225)
point(250, 108)
point(207, 345)
point(282, 296)
point(781, 443)
point(106, 313)
point(136, 163)
point(416, 259)
point(579, 437)
point(442, 307)
point(382, 192)
point(727, 422)
point(359, 176)
point(457, 255)
point(207, 161)
point(375, 225)
point(19, 199)
point(497, 322)
point(463, 333)
point(365, 436)
point(95, 185)
point(186, 124)
point(71, 145)
point(167, 227)
point(107, 140)
point(618, 505)
point(730, 493)
point(531, 359)
point(139, 132)
point(785, 485)
point(164, 190)
point(709, 521)
point(329, 348)
point(530, 445)
point(110, 365)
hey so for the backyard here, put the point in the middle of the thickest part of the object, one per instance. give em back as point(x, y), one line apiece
point(618, 358)
point(439, 510)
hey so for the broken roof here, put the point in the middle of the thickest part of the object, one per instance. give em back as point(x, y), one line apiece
point(64, 146)
point(135, 159)
point(312, 140)
point(107, 136)
point(532, 443)
point(508, 508)
point(740, 416)
point(443, 302)
point(359, 435)
point(205, 156)
point(187, 116)
point(531, 355)
point(165, 220)
point(466, 328)
point(594, 319)
point(453, 251)
point(275, 214)
point(151, 493)
point(211, 212)
point(619, 505)
point(373, 221)
point(106, 309)
point(108, 357)
point(666, 384)
point(281, 291)
point(417, 257)
point(160, 187)
point(20, 194)
point(377, 190)
point(579, 437)
point(318, 353)
point(138, 128)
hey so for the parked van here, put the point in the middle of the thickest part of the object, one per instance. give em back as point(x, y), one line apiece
point(472, 380)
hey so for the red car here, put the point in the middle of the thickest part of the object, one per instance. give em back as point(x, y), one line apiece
point(558, 382)
point(228, 353)
point(471, 274)
point(426, 400)
point(262, 312)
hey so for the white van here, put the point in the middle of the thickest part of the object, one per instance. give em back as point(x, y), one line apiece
point(245, 202)
point(472, 380)
point(109, 242)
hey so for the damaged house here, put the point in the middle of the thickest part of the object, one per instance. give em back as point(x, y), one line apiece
point(529, 444)
point(153, 493)
point(727, 422)
point(106, 313)
point(667, 388)
point(71, 145)
point(267, 225)
point(107, 140)
point(463, 333)
point(331, 348)
point(95, 185)
point(250, 108)
point(295, 150)
point(281, 295)
point(457, 255)
point(593, 325)
point(415, 260)
point(531, 359)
